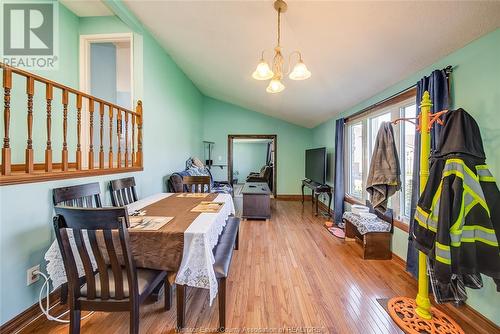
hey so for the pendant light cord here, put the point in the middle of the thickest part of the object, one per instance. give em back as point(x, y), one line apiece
point(279, 26)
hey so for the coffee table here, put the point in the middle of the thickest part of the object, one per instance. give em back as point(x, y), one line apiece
point(256, 201)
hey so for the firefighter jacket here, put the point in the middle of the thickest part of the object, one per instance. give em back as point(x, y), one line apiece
point(457, 220)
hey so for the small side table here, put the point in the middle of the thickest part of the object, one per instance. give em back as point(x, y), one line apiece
point(256, 201)
point(317, 189)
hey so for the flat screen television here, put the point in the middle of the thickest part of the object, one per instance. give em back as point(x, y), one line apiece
point(316, 165)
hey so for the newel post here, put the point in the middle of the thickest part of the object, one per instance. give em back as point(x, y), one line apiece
point(138, 110)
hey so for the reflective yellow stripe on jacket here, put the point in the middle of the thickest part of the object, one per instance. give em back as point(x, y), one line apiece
point(472, 195)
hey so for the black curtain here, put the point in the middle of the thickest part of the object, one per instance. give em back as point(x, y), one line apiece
point(338, 183)
point(437, 85)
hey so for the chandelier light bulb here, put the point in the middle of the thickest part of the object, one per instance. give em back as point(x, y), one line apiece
point(300, 72)
point(275, 86)
point(262, 72)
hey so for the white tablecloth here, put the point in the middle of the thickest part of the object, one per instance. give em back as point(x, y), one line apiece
point(200, 238)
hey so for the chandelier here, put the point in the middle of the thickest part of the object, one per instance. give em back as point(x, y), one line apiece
point(264, 72)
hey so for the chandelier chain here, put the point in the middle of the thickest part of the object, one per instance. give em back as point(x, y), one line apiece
point(279, 27)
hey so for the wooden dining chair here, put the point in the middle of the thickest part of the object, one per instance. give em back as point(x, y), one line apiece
point(196, 183)
point(83, 195)
point(123, 191)
point(115, 285)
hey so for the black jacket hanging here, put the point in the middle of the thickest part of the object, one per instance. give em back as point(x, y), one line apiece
point(457, 221)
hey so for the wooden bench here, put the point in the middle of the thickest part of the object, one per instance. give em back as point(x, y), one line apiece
point(223, 253)
point(376, 244)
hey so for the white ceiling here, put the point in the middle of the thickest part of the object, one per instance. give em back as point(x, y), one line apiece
point(353, 49)
point(87, 7)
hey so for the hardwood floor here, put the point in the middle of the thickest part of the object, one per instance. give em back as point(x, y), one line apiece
point(288, 272)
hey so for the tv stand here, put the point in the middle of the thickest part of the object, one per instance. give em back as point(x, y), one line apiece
point(317, 189)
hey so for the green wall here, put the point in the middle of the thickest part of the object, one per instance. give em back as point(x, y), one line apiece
point(248, 157)
point(172, 132)
point(476, 88)
point(221, 119)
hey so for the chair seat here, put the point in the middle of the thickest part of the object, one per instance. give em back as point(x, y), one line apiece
point(364, 225)
point(145, 277)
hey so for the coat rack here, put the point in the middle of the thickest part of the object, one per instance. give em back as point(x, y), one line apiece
point(417, 316)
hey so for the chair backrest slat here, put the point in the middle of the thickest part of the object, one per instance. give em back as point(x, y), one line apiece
point(115, 264)
point(102, 267)
point(103, 227)
point(87, 264)
point(197, 183)
point(67, 256)
point(83, 195)
point(123, 191)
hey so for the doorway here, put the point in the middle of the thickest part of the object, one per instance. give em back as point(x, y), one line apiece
point(106, 72)
point(248, 154)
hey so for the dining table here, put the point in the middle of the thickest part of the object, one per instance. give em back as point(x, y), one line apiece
point(183, 246)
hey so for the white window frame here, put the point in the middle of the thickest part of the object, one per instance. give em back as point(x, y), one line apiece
point(397, 111)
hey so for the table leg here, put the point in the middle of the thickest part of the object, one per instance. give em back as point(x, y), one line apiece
point(317, 199)
point(181, 305)
point(329, 203)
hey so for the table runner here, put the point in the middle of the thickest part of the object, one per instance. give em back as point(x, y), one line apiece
point(163, 249)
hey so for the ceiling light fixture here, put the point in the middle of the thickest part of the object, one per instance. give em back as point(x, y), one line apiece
point(264, 72)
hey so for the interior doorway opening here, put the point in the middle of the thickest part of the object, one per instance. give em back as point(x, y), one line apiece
point(252, 158)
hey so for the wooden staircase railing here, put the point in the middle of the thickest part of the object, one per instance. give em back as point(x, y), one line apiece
point(130, 159)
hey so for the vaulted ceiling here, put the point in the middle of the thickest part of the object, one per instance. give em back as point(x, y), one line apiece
point(353, 49)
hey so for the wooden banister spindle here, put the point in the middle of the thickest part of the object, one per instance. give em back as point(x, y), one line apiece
point(133, 141)
point(101, 135)
point(126, 139)
point(110, 155)
point(7, 85)
point(64, 153)
point(48, 149)
point(91, 134)
point(139, 133)
point(30, 90)
point(79, 132)
point(118, 135)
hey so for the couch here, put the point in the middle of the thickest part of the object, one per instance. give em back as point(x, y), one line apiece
point(194, 167)
point(264, 176)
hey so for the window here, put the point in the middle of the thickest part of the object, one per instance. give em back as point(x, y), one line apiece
point(408, 142)
point(356, 160)
point(361, 135)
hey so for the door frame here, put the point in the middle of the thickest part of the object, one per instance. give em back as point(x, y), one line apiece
point(84, 71)
point(230, 139)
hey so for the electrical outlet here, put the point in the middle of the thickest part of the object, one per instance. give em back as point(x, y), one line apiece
point(31, 277)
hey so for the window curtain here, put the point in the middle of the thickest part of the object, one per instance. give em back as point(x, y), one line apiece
point(338, 183)
point(437, 85)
